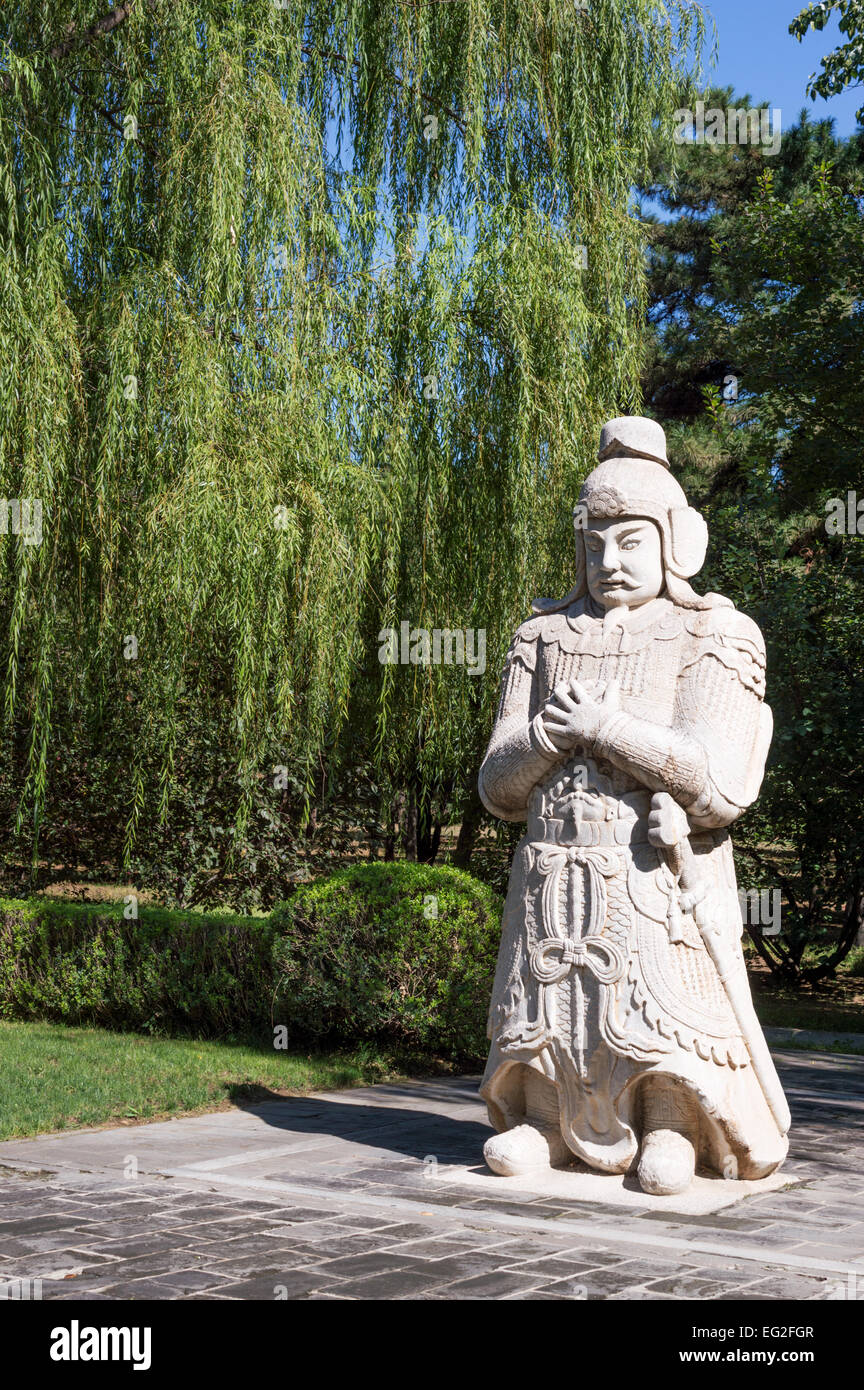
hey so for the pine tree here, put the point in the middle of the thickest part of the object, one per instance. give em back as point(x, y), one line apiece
point(758, 282)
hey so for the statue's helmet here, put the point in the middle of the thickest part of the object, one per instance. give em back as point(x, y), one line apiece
point(632, 479)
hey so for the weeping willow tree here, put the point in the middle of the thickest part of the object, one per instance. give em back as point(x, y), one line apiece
point(309, 315)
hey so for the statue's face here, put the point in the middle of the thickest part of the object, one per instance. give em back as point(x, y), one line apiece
point(624, 562)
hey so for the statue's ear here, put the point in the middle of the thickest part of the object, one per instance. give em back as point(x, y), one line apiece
point(688, 537)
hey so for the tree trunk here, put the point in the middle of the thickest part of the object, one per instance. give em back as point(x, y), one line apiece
point(428, 838)
point(409, 833)
point(851, 931)
point(472, 819)
point(397, 812)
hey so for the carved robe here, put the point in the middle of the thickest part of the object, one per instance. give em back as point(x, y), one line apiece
point(602, 979)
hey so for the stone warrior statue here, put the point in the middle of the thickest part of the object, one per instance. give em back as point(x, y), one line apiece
point(630, 733)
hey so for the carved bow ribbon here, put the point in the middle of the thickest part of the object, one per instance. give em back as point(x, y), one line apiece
point(558, 951)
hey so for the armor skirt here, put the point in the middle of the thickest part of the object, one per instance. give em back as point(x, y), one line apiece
point(603, 981)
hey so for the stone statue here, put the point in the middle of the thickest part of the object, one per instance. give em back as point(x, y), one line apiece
point(631, 732)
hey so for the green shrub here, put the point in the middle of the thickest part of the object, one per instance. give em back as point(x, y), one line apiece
point(854, 963)
point(355, 956)
point(164, 972)
point(401, 953)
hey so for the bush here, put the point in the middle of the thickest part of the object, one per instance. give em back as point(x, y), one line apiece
point(352, 957)
point(854, 964)
point(400, 953)
point(170, 972)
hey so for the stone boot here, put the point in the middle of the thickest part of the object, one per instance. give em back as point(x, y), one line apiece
point(667, 1163)
point(667, 1160)
point(525, 1150)
point(535, 1144)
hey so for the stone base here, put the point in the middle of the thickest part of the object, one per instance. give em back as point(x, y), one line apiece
point(578, 1183)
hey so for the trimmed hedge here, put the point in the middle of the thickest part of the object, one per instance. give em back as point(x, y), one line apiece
point(401, 952)
point(164, 972)
point(398, 953)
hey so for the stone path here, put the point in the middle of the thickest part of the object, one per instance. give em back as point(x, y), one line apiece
point(815, 1040)
point(364, 1194)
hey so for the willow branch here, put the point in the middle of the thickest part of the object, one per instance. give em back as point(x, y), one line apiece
point(106, 25)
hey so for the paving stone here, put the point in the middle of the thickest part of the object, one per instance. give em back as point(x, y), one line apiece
point(752, 1240)
point(143, 1268)
point(39, 1266)
point(99, 1231)
point(267, 1208)
point(82, 1240)
point(141, 1292)
point(17, 1252)
point(718, 1221)
point(459, 1267)
point(87, 1296)
point(33, 1225)
point(411, 1230)
point(596, 1283)
point(246, 1266)
point(189, 1279)
point(743, 1295)
point(172, 1238)
point(644, 1270)
point(640, 1296)
point(533, 1295)
point(434, 1249)
point(524, 1252)
point(691, 1286)
point(261, 1245)
point(291, 1284)
point(783, 1284)
point(832, 1253)
point(549, 1267)
point(351, 1222)
point(312, 1232)
point(398, 1283)
point(496, 1284)
point(353, 1266)
point(225, 1230)
point(294, 1215)
point(126, 1249)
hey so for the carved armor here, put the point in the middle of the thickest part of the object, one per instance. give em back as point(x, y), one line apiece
point(603, 976)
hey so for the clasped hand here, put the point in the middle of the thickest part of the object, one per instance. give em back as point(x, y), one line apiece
point(574, 712)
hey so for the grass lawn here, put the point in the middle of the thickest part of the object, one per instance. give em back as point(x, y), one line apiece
point(53, 1077)
point(833, 1005)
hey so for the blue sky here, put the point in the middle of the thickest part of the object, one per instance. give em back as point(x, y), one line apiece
point(757, 54)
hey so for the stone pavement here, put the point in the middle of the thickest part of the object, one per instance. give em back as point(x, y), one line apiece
point(365, 1194)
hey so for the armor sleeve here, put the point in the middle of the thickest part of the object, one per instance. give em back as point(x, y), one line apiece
point(519, 753)
point(712, 757)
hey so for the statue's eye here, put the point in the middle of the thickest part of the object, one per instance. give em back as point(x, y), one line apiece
point(631, 544)
point(593, 545)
